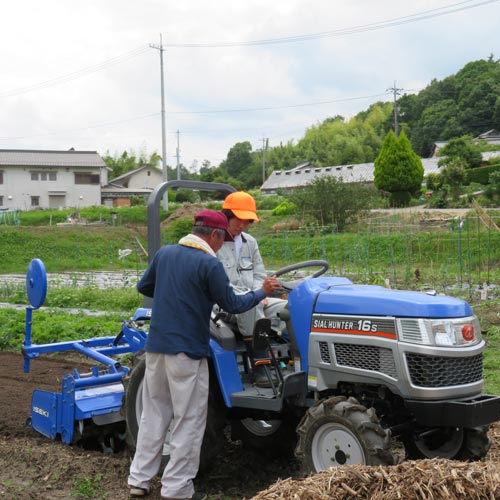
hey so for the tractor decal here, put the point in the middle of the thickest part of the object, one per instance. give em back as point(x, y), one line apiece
point(355, 325)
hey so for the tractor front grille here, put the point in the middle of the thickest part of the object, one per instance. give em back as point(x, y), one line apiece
point(440, 371)
point(324, 352)
point(365, 357)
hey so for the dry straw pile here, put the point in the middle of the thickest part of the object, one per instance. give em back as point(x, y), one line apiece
point(435, 479)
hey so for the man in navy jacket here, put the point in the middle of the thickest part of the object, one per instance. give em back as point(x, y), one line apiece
point(185, 281)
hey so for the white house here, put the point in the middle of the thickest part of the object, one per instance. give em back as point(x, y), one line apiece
point(32, 179)
point(138, 182)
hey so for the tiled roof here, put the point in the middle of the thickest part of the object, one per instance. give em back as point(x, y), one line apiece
point(302, 175)
point(41, 158)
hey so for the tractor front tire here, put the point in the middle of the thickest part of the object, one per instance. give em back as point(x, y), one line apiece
point(213, 439)
point(339, 431)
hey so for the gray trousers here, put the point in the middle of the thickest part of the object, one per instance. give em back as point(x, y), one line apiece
point(175, 397)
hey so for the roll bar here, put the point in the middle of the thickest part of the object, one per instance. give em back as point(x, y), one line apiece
point(154, 238)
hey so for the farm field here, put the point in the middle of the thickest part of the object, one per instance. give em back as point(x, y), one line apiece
point(34, 467)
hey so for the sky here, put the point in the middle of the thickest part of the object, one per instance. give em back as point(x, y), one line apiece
point(87, 75)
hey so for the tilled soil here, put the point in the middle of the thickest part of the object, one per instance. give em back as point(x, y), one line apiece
point(35, 467)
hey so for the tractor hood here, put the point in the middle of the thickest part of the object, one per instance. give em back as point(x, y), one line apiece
point(333, 295)
point(379, 301)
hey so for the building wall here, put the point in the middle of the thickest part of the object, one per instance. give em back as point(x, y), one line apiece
point(54, 187)
point(148, 178)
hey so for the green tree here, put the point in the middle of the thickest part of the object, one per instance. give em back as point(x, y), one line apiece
point(434, 182)
point(461, 148)
point(397, 168)
point(129, 160)
point(238, 159)
point(454, 176)
point(331, 201)
point(493, 188)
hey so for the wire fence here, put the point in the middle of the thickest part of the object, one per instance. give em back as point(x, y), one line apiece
point(447, 254)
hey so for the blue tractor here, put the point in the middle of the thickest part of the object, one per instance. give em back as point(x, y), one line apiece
point(358, 374)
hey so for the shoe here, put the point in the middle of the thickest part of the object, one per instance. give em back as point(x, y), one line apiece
point(136, 492)
point(198, 495)
point(260, 378)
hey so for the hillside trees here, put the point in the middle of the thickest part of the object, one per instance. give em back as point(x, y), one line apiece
point(398, 170)
point(465, 103)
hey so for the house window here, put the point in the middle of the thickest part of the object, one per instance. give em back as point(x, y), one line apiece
point(44, 176)
point(86, 178)
point(1, 177)
point(1, 201)
point(35, 201)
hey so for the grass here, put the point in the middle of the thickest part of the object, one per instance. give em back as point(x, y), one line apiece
point(453, 260)
point(70, 248)
point(51, 326)
point(89, 487)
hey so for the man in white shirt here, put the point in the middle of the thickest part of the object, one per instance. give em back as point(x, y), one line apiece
point(245, 269)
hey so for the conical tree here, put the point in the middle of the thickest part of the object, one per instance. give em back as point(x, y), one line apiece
point(398, 169)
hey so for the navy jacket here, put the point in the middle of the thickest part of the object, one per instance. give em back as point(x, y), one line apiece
point(185, 283)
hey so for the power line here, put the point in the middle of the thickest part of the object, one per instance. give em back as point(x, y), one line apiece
point(241, 110)
point(268, 108)
point(411, 18)
point(76, 74)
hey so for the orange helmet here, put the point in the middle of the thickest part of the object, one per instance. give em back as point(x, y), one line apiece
point(242, 205)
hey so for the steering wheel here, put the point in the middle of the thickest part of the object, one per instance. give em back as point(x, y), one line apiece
point(290, 285)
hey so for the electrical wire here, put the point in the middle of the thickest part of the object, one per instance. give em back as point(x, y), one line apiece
point(411, 18)
point(242, 110)
point(77, 74)
point(268, 108)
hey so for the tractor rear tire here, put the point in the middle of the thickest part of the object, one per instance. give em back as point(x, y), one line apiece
point(213, 439)
point(452, 443)
point(339, 431)
point(272, 438)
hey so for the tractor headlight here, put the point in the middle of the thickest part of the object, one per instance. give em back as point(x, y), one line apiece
point(451, 332)
point(455, 332)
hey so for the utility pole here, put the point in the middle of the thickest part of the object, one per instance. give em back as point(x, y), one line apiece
point(163, 139)
point(264, 149)
point(395, 91)
point(178, 156)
